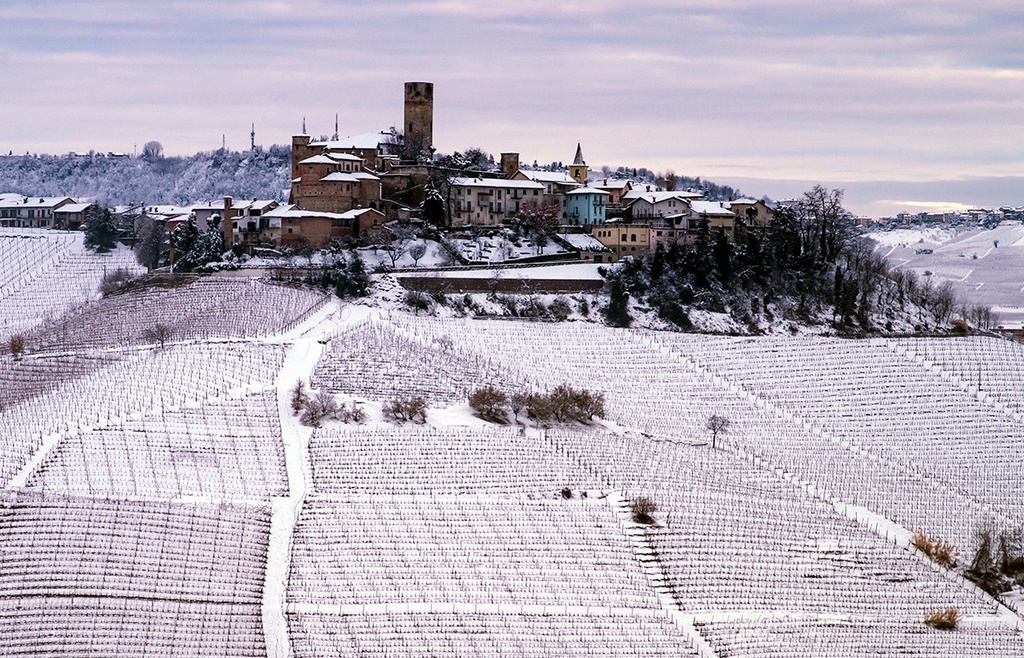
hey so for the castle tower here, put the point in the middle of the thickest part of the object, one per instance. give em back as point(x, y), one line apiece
point(300, 151)
point(419, 119)
point(509, 164)
point(579, 170)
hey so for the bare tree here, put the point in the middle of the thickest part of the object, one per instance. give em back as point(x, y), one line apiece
point(395, 241)
point(716, 424)
point(152, 149)
point(537, 220)
point(159, 333)
point(416, 252)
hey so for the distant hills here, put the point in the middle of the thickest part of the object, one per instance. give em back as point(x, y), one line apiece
point(262, 173)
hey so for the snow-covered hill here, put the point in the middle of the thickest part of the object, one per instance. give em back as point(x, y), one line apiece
point(168, 501)
point(985, 266)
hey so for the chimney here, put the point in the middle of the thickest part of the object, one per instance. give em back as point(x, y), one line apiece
point(229, 214)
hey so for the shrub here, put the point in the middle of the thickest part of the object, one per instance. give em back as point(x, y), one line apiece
point(539, 407)
point(353, 413)
point(420, 301)
point(352, 280)
point(407, 407)
point(16, 344)
point(320, 407)
point(944, 620)
point(559, 309)
point(117, 281)
point(642, 509)
point(489, 403)
point(940, 552)
point(998, 563)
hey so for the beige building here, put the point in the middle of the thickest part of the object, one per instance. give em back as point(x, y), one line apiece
point(491, 201)
point(30, 212)
point(624, 239)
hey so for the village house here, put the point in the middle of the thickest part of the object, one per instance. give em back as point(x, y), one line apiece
point(30, 212)
point(586, 206)
point(288, 225)
point(616, 189)
point(754, 213)
point(71, 216)
point(491, 201)
point(623, 239)
point(646, 203)
point(589, 248)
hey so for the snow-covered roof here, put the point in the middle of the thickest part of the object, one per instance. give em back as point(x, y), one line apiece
point(9, 200)
point(167, 209)
point(550, 177)
point(343, 157)
point(348, 177)
point(711, 208)
point(503, 183)
point(583, 241)
point(369, 140)
point(588, 190)
point(657, 196)
point(73, 207)
point(611, 183)
point(318, 159)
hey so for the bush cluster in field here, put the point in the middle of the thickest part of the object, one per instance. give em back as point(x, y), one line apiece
point(559, 309)
point(562, 404)
point(322, 406)
point(940, 552)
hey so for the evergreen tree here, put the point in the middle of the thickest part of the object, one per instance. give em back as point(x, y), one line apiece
point(658, 263)
point(151, 246)
point(193, 248)
point(100, 229)
point(617, 311)
point(723, 257)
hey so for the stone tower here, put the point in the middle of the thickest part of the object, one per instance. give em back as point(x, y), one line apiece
point(509, 164)
point(419, 119)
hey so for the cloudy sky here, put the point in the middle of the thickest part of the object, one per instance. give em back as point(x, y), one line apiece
point(904, 103)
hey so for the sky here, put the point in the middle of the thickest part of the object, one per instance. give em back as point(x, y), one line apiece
point(905, 104)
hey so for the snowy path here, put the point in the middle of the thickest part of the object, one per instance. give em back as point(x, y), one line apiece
point(308, 342)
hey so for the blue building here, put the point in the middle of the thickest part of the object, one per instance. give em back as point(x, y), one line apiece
point(586, 206)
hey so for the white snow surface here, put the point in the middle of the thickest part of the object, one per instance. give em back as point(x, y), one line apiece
point(801, 515)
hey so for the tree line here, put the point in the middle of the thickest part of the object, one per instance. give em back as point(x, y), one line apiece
point(807, 266)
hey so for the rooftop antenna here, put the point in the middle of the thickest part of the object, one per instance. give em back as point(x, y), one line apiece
point(335, 138)
point(252, 138)
point(304, 126)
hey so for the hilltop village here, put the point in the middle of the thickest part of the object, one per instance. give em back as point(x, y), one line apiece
point(356, 189)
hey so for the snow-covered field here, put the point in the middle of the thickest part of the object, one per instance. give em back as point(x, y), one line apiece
point(168, 502)
point(985, 266)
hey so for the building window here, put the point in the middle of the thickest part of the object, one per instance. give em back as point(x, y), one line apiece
point(632, 238)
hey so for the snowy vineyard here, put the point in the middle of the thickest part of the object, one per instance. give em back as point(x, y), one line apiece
point(167, 500)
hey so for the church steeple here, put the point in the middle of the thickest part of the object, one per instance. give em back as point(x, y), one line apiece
point(579, 170)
